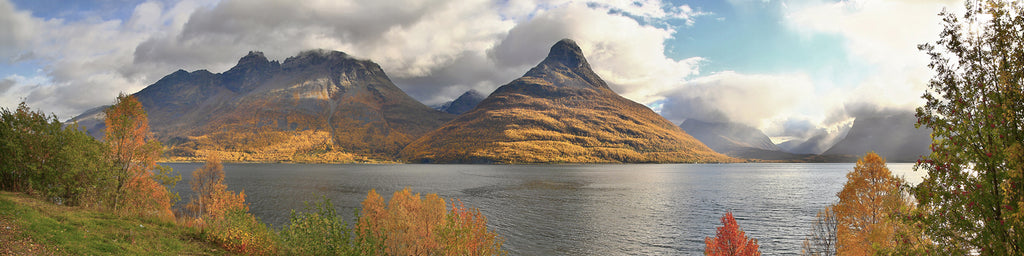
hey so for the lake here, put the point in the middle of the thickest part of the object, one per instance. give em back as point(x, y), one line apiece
point(645, 209)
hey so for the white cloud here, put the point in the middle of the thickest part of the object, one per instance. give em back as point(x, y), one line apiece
point(434, 49)
point(883, 37)
point(751, 99)
point(18, 27)
point(631, 59)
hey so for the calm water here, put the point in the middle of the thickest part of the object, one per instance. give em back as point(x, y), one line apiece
point(574, 209)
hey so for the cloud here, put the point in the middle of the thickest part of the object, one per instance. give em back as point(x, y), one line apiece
point(743, 98)
point(18, 27)
point(433, 49)
point(631, 60)
point(882, 36)
point(437, 49)
point(6, 84)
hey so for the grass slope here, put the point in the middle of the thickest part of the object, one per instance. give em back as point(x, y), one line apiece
point(29, 226)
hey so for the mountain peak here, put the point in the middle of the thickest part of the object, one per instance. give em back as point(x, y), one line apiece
point(568, 53)
point(319, 57)
point(253, 57)
point(567, 67)
point(323, 53)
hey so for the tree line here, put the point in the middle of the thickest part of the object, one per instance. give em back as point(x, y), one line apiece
point(67, 166)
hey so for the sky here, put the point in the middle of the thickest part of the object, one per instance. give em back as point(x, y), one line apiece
point(792, 68)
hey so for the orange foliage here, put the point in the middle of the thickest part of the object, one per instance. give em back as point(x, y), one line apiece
point(224, 214)
point(212, 199)
point(134, 154)
point(730, 240)
point(411, 225)
point(869, 198)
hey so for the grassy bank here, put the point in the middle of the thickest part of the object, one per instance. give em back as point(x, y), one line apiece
point(30, 226)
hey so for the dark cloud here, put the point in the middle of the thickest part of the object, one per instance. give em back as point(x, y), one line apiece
point(6, 84)
point(471, 70)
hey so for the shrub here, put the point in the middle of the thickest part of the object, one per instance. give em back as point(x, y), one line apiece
point(411, 225)
point(730, 240)
point(319, 230)
point(239, 231)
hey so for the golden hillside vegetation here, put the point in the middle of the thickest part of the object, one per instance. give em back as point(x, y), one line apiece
point(559, 113)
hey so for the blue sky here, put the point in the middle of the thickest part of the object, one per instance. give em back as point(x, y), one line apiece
point(788, 67)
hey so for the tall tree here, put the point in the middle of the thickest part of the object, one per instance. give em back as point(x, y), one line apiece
point(867, 205)
point(134, 153)
point(823, 238)
point(730, 240)
point(975, 107)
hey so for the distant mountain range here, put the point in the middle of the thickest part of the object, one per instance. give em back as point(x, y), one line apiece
point(559, 112)
point(319, 106)
point(326, 106)
point(727, 137)
point(891, 135)
point(464, 103)
point(742, 141)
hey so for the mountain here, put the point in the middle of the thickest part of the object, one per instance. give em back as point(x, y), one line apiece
point(559, 111)
point(92, 120)
point(726, 137)
point(742, 141)
point(464, 103)
point(816, 144)
point(318, 106)
point(890, 135)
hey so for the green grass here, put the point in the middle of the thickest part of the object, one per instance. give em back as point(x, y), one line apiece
point(77, 231)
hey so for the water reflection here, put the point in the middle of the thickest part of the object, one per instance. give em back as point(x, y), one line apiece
point(574, 209)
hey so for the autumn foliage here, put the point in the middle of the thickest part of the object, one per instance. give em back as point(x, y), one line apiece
point(730, 240)
point(223, 214)
point(869, 200)
point(134, 153)
point(414, 225)
point(212, 199)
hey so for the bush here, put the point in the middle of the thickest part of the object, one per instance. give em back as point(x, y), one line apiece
point(411, 225)
point(319, 230)
point(408, 225)
point(239, 231)
point(43, 157)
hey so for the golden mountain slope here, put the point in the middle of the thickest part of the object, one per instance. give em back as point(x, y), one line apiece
point(319, 106)
point(559, 112)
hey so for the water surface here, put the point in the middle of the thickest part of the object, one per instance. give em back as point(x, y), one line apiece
point(574, 209)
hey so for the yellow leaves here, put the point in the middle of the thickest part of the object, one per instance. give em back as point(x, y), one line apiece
point(134, 153)
point(306, 146)
point(866, 204)
point(212, 199)
point(225, 215)
point(415, 225)
point(1013, 187)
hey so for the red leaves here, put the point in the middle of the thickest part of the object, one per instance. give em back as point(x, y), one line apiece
point(730, 240)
